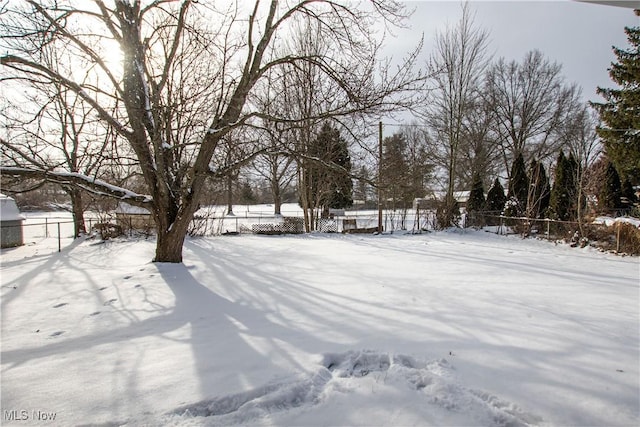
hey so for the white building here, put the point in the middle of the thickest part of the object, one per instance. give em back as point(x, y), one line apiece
point(10, 223)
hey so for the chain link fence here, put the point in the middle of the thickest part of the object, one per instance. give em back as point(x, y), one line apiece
point(618, 236)
point(52, 232)
point(365, 221)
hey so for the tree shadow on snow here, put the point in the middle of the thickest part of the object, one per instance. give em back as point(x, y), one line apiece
point(221, 335)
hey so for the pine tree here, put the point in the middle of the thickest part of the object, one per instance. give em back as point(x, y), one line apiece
point(628, 195)
point(247, 196)
point(573, 173)
point(476, 200)
point(518, 186)
point(561, 195)
point(620, 113)
point(540, 191)
point(395, 170)
point(610, 193)
point(341, 194)
point(495, 202)
point(496, 198)
point(330, 171)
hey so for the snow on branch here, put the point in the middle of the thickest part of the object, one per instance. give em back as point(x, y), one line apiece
point(87, 183)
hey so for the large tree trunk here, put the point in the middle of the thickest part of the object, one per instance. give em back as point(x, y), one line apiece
point(230, 195)
point(169, 247)
point(77, 211)
point(173, 218)
point(172, 231)
point(277, 199)
point(450, 201)
point(304, 197)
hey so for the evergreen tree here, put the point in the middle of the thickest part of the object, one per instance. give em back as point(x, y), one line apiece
point(518, 186)
point(628, 195)
point(620, 113)
point(540, 191)
point(495, 202)
point(247, 196)
point(363, 188)
point(395, 170)
point(560, 203)
point(496, 198)
point(476, 200)
point(610, 193)
point(573, 174)
point(330, 171)
point(341, 192)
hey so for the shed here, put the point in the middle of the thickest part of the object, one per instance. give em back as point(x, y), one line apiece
point(10, 223)
point(133, 217)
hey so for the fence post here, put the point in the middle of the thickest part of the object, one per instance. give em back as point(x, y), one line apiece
point(618, 237)
point(59, 244)
point(46, 227)
point(548, 229)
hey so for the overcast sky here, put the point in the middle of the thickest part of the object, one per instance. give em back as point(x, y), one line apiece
point(577, 35)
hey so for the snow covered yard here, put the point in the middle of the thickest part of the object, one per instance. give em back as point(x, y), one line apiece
point(438, 329)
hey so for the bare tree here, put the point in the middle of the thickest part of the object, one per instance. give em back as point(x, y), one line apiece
point(276, 168)
point(579, 134)
point(406, 169)
point(458, 64)
point(187, 77)
point(479, 152)
point(53, 128)
point(276, 164)
point(530, 102)
point(420, 166)
point(302, 86)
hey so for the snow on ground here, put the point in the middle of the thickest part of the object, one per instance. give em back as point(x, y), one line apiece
point(451, 328)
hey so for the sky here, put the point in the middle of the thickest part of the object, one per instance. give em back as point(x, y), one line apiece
point(577, 35)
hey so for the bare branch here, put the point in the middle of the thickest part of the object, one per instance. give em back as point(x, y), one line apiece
point(94, 186)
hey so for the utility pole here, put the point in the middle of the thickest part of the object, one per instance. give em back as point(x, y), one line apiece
point(380, 177)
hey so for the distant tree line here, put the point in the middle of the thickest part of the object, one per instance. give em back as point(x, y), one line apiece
point(280, 102)
point(503, 125)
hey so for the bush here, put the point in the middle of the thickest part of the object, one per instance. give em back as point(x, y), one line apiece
point(447, 216)
point(620, 238)
point(108, 230)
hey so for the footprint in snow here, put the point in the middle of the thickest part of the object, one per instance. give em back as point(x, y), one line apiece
point(111, 301)
point(127, 277)
point(430, 379)
point(102, 288)
point(57, 333)
point(62, 304)
point(95, 313)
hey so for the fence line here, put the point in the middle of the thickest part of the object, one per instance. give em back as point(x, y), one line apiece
point(617, 239)
point(29, 231)
point(208, 225)
point(620, 238)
